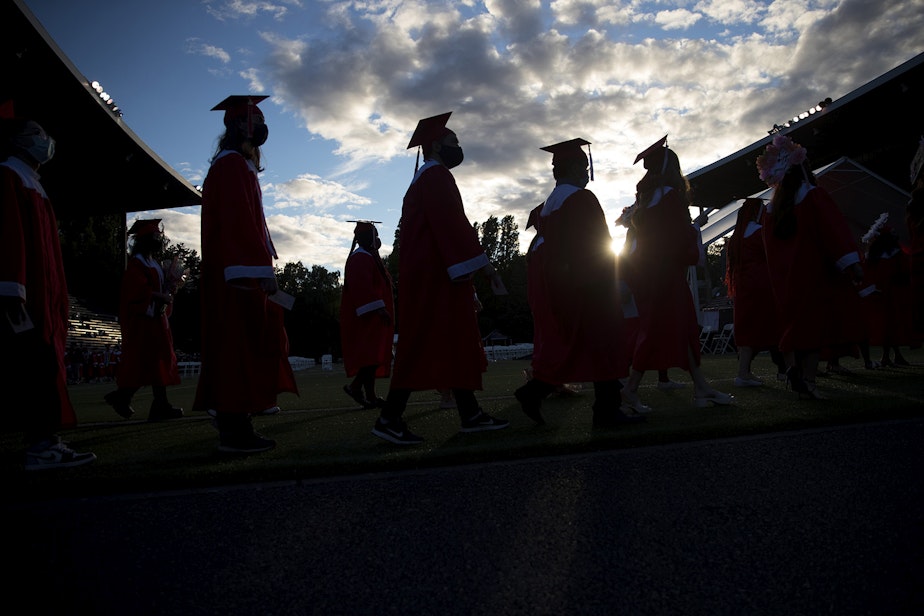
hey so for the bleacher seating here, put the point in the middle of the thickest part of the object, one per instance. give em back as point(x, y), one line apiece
point(91, 329)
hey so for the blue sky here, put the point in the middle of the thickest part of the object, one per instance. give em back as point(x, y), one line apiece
point(348, 81)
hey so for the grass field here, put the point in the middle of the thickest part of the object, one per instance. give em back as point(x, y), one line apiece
point(321, 433)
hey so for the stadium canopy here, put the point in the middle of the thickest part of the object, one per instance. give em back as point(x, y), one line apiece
point(860, 194)
point(100, 165)
point(877, 126)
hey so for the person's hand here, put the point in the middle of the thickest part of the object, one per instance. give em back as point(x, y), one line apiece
point(383, 314)
point(855, 272)
point(269, 285)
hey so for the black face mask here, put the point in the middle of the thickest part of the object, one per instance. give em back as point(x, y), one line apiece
point(260, 133)
point(452, 155)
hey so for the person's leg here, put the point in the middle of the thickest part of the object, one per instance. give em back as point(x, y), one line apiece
point(236, 434)
point(121, 401)
point(161, 408)
point(630, 400)
point(608, 406)
point(473, 418)
point(704, 393)
point(390, 425)
point(362, 386)
point(530, 397)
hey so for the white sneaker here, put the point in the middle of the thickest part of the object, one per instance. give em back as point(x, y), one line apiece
point(632, 404)
point(55, 454)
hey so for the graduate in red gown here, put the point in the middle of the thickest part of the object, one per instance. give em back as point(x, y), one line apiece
point(748, 280)
point(367, 309)
point(244, 344)
point(914, 218)
point(145, 306)
point(667, 245)
point(33, 298)
point(812, 258)
point(888, 307)
point(573, 295)
point(439, 343)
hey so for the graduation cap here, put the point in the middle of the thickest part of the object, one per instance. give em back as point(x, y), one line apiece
point(571, 150)
point(148, 226)
point(429, 130)
point(238, 107)
point(655, 147)
point(365, 225)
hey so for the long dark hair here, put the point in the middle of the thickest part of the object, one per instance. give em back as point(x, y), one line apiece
point(672, 177)
point(747, 213)
point(234, 139)
point(783, 202)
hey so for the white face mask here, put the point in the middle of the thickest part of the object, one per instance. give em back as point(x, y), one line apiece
point(35, 141)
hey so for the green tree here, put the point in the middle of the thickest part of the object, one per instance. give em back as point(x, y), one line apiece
point(185, 322)
point(313, 323)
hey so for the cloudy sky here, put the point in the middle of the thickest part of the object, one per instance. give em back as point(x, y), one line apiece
point(350, 79)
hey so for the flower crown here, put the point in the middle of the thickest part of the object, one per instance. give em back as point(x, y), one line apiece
point(780, 155)
point(876, 229)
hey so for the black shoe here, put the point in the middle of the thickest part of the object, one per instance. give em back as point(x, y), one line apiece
point(481, 421)
point(395, 431)
point(119, 404)
point(796, 382)
point(358, 398)
point(164, 412)
point(245, 443)
point(531, 404)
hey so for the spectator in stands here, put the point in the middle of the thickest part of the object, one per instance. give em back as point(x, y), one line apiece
point(439, 344)
point(33, 299)
point(812, 257)
point(245, 349)
point(668, 244)
point(145, 305)
point(367, 329)
point(573, 295)
point(748, 280)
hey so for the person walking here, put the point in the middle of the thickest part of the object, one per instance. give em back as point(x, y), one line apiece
point(33, 299)
point(667, 245)
point(244, 343)
point(145, 306)
point(573, 295)
point(367, 309)
point(812, 258)
point(439, 343)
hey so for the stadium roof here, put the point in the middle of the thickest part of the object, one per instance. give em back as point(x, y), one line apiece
point(100, 165)
point(877, 125)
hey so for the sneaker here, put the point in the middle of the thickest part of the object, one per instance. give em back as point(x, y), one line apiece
point(632, 405)
point(481, 421)
point(245, 443)
point(119, 404)
point(55, 454)
point(395, 431)
point(273, 410)
point(669, 385)
point(747, 382)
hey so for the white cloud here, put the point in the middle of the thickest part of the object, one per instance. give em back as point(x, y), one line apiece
point(196, 46)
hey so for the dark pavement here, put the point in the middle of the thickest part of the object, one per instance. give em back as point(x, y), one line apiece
point(828, 521)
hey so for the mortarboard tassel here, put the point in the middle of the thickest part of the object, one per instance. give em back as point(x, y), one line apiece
point(590, 159)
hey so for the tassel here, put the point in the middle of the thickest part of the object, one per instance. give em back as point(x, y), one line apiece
point(590, 158)
point(417, 162)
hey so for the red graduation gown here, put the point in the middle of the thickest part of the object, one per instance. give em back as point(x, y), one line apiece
point(667, 245)
point(31, 267)
point(365, 338)
point(754, 310)
point(888, 309)
point(806, 274)
point(573, 293)
point(244, 344)
point(439, 343)
point(148, 357)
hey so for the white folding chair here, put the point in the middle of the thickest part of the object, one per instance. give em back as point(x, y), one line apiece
point(723, 342)
point(705, 339)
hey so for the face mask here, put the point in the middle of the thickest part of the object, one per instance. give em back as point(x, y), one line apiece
point(452, 155)
point(36, 143)
point(260, 133)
